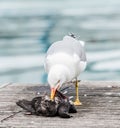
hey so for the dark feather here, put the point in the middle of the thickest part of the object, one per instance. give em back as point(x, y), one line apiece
point(41, 105)
point(26, 105)
point(72, 109)
point(63, 110)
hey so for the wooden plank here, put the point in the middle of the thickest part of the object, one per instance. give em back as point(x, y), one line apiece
point(100, 109)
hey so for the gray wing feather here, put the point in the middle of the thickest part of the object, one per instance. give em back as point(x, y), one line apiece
point(69, 47)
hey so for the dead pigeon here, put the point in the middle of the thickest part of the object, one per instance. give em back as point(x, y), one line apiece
point(43, 106)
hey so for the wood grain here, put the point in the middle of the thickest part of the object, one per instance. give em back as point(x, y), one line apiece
point(100, 109)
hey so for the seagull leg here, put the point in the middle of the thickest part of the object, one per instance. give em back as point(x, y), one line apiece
point(77, 101)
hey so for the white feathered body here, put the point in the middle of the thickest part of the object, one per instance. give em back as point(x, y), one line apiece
point(64, 60)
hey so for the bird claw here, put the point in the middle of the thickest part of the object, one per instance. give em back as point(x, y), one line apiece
point(77, 102)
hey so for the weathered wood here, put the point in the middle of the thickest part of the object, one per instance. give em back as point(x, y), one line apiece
point(100, 109)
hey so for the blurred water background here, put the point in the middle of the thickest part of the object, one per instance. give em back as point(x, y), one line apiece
point(29, 27)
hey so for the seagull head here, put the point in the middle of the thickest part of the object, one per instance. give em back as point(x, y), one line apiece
point(57, 75)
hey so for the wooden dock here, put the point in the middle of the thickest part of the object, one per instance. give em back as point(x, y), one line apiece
point(100, 109)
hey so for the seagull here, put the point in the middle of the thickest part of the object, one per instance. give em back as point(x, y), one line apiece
point(64, 61)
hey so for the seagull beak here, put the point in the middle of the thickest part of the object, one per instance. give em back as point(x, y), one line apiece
point(53, 91)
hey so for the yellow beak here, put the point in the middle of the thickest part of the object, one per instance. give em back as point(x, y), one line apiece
point(53, 91)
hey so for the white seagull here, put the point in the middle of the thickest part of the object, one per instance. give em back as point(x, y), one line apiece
point(65, 60)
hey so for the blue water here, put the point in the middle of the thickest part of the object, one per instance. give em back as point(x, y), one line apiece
point(29, 27)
